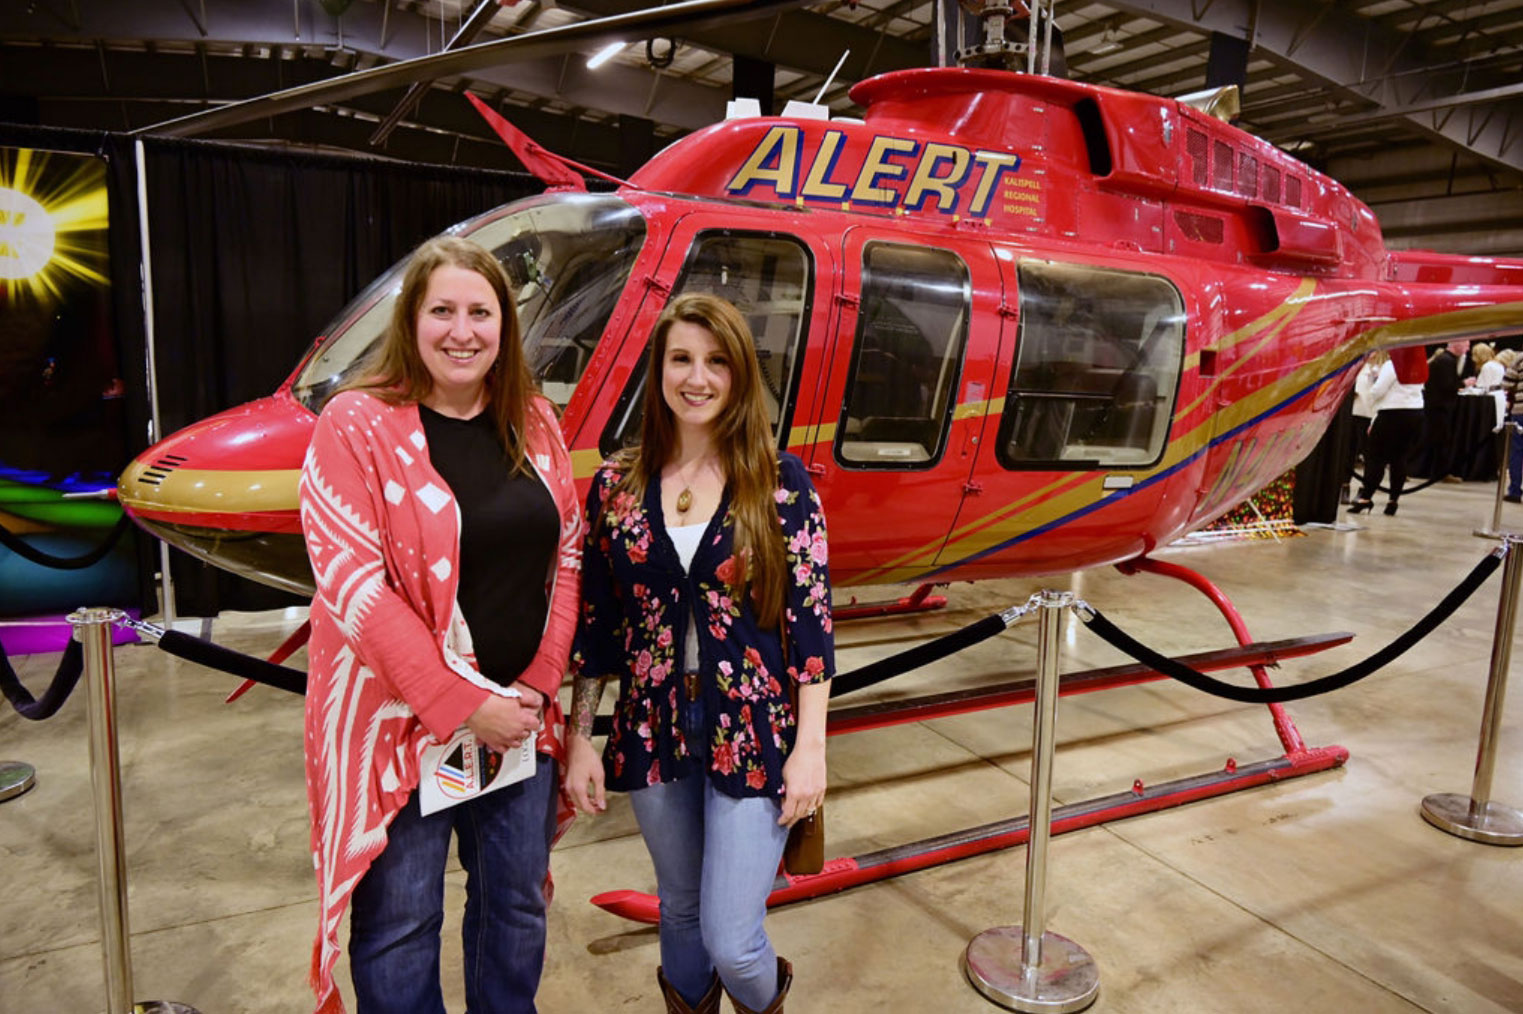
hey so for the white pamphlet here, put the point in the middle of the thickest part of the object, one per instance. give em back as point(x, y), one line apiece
point(463, 767)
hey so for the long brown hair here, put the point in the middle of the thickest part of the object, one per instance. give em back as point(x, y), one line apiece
point(395, 372)
point(743, 437)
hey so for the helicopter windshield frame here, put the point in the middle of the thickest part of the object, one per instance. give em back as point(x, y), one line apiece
point(568, 257)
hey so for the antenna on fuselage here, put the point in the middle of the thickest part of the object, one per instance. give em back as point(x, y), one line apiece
point(821, 96)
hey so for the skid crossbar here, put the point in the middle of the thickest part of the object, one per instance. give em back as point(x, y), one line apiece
point(918, 601)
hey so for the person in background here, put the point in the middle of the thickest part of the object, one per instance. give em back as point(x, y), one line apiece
point(1447, 367)
point(1397, 428)
point(1364, 412)
point(445, 535)
point(1488, 371)
point(1512, 384)
point(707, 596)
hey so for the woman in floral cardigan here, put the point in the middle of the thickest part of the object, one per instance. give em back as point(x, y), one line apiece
point(706, 594)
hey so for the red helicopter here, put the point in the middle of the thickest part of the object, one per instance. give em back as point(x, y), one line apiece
point(1014, 325)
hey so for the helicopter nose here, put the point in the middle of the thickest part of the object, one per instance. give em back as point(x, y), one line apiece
point(225, 491)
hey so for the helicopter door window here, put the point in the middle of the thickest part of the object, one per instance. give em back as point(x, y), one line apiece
point(1096, 369)
point(767, 277)
point(911, 334)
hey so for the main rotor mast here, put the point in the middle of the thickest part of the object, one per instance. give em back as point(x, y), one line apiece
point(1005, 46)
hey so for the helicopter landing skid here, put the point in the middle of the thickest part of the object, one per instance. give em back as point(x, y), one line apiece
point(918, 601)
point(851, 871)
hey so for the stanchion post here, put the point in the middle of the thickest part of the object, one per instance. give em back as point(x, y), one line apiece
point(93, 628)
point(1027, 968)
point(1494, 531)
point(1476, 816)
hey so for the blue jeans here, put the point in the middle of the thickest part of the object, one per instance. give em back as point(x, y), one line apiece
point(398, 907)
point(716, 858)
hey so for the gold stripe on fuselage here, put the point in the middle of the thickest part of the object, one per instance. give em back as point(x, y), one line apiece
point(210, 490)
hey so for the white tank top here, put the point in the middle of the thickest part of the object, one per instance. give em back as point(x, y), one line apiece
point(685, 539)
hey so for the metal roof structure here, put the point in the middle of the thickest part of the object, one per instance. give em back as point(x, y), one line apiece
point(1416, 105)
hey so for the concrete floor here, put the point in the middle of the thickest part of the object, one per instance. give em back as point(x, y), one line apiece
point(1326, 893)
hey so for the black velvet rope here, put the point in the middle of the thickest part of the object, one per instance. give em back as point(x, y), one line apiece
point(16, 545)
point(214, 656)
point(894, 665)
point(921, 654)
point(64, 680)
point(1279, 695)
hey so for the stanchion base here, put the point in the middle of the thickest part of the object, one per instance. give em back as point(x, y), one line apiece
point(15, 778)
point(1492, 824)
point(1066, 980)
point(162, 1007)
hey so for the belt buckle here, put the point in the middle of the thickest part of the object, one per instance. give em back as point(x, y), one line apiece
point(690, 684)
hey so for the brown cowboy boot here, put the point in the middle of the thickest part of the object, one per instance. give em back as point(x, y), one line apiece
point(708, 1004)
point(784, 981)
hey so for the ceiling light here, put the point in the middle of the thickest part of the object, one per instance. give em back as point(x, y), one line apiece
point(603, 55)
point(1108, 44)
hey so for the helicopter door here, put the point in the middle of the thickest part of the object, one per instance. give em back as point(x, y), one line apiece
point(769, 276)
point(1084, 400)
point(891, 455)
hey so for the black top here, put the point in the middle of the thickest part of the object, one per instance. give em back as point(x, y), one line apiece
point(1445, 371)
point(509, 532)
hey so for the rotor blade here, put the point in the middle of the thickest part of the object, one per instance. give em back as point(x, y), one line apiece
point(485, 11)
point(531, 46)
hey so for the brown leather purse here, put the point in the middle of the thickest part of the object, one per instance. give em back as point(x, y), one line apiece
point(805, 851)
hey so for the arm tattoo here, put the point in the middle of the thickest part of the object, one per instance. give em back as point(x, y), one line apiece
point(585, 695)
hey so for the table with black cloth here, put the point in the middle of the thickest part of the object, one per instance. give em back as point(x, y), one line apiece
point(1472, 447)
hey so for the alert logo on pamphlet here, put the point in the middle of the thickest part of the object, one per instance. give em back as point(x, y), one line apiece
point(455, 772)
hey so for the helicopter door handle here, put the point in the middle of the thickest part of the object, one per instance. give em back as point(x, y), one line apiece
point(815, 469)
point(972, 487)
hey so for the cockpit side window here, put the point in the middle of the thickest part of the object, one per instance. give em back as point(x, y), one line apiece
point(911, 334)
point(568, 272)
point(767, 277)
point(1096, 368)
point(568, 257)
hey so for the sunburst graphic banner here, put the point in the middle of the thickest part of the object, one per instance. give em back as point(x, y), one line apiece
point(53, 222)
point(63, 428)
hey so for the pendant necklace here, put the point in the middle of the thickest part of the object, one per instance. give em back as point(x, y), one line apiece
point(685, 498)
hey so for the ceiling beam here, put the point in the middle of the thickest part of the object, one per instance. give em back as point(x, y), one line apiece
point(796, 39)
point(1360, 57)
point(126, 91)
point(380, 33)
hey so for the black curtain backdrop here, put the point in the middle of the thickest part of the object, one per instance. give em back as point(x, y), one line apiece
point(253, 253)
point(1324, 473)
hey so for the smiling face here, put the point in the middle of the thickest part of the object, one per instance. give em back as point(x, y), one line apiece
point(695, 376)
point(459, 327)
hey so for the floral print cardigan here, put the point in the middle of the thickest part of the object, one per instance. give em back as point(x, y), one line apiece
point(635, 612)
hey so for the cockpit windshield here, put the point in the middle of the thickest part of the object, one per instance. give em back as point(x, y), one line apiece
point(568, 257)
